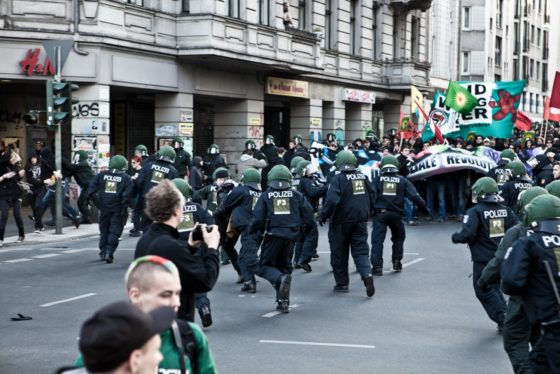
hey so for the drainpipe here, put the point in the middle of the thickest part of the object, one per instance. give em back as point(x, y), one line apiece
point(76, 12)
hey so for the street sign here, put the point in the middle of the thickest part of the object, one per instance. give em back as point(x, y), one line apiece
point(65, 47)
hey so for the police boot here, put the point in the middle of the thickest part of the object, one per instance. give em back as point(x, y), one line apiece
point(377, 270)
point(397, 266)
point(102, 255)
point(284, 287)
point(250, 287)
point(305, 266)
point(368, 282)
point(205, 315)
point(341, 288)
point(283, 306)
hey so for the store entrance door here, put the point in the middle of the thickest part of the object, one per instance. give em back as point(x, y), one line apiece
point(277, 124)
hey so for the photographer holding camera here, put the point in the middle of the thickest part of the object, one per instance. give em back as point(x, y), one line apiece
point(199, 273)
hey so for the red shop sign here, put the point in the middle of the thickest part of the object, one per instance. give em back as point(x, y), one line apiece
point(30, 65)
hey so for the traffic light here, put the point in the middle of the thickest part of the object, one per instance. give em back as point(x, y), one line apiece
point(59, 102)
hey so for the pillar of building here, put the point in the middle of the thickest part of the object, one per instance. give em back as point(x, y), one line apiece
point(307, 120)
point(358, 120)
point(334, 120)
point(174, 118)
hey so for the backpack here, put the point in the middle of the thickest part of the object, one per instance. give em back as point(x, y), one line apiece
point(183, 333)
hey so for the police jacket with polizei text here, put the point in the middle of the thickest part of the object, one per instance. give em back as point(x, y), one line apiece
point(349, 198)
point(511, 189)
point(312, 191)
point(390, 189)
point(153, 173)
point(240, 203)
point(114, 189)
point(281, 213)
point(524, 274)
point(484, 225)
point(498, 173)
point(193, 213)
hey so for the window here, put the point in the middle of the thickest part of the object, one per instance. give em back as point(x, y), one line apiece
point(234, 8)
point(465, 63)
point(538, 73)
point(301, 14)
point(515, 69)
point(537, 103)
point(374, 34)
point(538, 37)
point(136, 2)
point(532, 66)
point(396, 36)
point(414, 37)
point(532, 33)
point(353, 27)
point(490, 23)
point(525, 67)
point(186, 6)
point(328, 24)
point(530, 102)
point(264, 12)
point(498, 52)
point(466, 18)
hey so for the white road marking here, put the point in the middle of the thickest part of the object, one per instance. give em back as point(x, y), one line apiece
point(317, 344)
point(412, 262)
point(48, 255)
point(67, 300)
point(275, 313)
point(411, 253)
point(18, 260)
point(75, 250)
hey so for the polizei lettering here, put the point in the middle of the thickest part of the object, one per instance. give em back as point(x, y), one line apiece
point(389, 179)
point(356, 176)
point(254, 193)
point(163, 169)
point(277, 194)
point(522, 186)
point(112, 178)
point(502, 213)
point(189, 208)
point(551, 239)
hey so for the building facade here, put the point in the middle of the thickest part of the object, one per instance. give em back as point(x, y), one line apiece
point(212, 71)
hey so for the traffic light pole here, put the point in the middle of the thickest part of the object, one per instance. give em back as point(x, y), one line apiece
point(58, 152)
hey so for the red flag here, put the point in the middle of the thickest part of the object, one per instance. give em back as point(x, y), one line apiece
point(401, 116)
point(522, 122)
point(434, 128)
point(555, 94)
point(548, 115)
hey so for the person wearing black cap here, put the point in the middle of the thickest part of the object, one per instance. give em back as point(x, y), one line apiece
point(120, 338)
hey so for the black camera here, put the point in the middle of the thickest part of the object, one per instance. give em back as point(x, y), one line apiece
point(197, 232)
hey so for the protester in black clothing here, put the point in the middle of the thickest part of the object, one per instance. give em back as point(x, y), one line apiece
point(213, 160)
point(196, 177)
point(269, 148)
point(10, 193)
point(35, 173)
point(199, 273)
point(83, 174)
point(290, 152)
point(542, 172)
point(182, 158)
point(272, 162)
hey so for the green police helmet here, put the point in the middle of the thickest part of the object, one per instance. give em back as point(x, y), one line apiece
point(485, 189)
point(250, 144)
point(301, 166)
point(298, 138)
point(141, 150)
point(279, 177)
point(543, 207)
point(525, 197)
point(166, 153)
point(183, 186)
point(331, 137)
point(346, 161)
point(553, 188)
point(508, 154)
point(295, 161)
point(517, 168)
point(213, 149)
point(82, 155)
point(269, 139)
point(252, 178)
point(178, 140)
point(220, 173)
point(118, 162)
point(389, 161)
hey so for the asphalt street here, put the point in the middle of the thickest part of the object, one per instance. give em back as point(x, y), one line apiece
point(423, 320)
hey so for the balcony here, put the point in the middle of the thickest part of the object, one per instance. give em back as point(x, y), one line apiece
point(201, 36)
point(401, 73)
point(403, 6)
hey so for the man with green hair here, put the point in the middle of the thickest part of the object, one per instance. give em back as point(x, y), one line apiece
point(113, 187)
point(484, 226)
point(517, 332)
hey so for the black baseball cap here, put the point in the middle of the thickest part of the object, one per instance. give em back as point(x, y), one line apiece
point(109, 337)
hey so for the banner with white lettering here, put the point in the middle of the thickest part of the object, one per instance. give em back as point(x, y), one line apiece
point(441, 159)
point(494, 115)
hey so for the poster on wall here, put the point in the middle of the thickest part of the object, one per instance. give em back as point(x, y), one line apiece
point(85, 143)
point(90, 126)
point(165, 141)
point(103, 151)
point(166, 129)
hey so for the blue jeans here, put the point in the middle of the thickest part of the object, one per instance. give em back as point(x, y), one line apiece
point(49, 198)
point(432, 187)
point(459, 192)
point(408, 209)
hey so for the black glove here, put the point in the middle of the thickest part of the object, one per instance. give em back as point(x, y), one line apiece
point(482, 284)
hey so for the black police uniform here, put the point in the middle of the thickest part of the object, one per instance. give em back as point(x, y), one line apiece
point(114, 189)
point(152, 173)
point(498, 172)
point(212, 162)
point(390, 189)
point(312, 190)
point(269, 150)
point(348, 204)
point(524, 274)
point(240, 203)
point(182, 161)
point(280, 214)
point(83, 174)
point(484, 226)
point(511, 189)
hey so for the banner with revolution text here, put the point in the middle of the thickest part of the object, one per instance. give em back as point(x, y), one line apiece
point(494, 114)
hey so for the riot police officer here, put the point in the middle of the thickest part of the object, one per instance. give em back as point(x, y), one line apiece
point(517, 331)
point(153, 173)
point(484, 225)
point(182, 158)
point(114, 188)
point(347, 205)
point(498, 173)
point(531, 270)
point(280, 213)
point(194, 213)
point(269, 148)
point(250, 145)
point(142, 151)
point(239, 203)
point(518, 182)
point(213, 160)
point(390, 189)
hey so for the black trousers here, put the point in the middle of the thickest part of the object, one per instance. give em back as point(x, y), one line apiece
point(545, 356)
point(344, 239)
point(276, 259)
point(492, 299)
point(110, 227)
point(380, 222)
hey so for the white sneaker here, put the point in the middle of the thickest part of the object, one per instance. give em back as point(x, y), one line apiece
point(39, 231)
point(19, 239)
